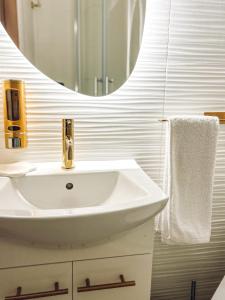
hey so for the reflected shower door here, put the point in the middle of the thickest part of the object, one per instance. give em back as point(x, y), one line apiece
point(108, 37)
point(88, 41)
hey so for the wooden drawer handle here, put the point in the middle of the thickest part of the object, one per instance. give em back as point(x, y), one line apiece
point(105, 286)
point(19, 296)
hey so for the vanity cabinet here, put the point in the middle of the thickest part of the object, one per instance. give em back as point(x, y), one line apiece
point(95, 240)
point(121, 278)
point(118, 269)
point(39, 281)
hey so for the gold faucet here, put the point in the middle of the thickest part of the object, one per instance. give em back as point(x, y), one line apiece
point(68, 142)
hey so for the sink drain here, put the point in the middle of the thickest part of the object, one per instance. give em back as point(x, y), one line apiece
point(69, 186)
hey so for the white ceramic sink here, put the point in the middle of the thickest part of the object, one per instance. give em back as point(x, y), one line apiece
point(84, 205)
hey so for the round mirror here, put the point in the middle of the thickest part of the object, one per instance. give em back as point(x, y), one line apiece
point(90, 46)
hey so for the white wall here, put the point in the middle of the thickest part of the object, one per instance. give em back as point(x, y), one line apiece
point(181, 69)
point(195, 82)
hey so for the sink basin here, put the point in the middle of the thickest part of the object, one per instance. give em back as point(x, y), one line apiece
point(78, 190)
point(84, 205)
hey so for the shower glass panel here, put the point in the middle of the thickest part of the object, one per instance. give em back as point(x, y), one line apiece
point(108, 37)
point(89, 46)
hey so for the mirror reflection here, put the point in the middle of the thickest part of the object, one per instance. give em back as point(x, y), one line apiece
point(90, 46)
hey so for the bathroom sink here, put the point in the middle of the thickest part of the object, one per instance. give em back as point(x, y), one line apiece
point(84, 205)
point(78, 190)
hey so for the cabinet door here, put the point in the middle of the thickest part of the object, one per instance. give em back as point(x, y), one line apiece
point(106, 283)
point(37, 281)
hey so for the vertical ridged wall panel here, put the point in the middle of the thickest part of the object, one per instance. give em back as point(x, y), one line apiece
point(195, 82)
point(180, 70)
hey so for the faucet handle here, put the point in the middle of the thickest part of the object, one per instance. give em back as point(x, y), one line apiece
point(68, 125)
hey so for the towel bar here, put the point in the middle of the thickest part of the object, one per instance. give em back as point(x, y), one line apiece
point(220, 115)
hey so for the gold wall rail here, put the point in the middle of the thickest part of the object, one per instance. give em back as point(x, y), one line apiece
point(219, 114)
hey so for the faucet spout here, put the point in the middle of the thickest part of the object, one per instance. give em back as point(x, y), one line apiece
point(68, 143)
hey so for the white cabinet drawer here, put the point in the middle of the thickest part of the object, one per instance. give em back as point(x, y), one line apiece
point(37, 281)
point(105, 282)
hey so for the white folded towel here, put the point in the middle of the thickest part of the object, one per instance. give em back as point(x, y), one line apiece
point(188, 180)
point(16, 169)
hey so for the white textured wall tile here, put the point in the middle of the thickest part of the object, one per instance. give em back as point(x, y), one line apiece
point(182, 74)
point(120, 125)
point(195, 83)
